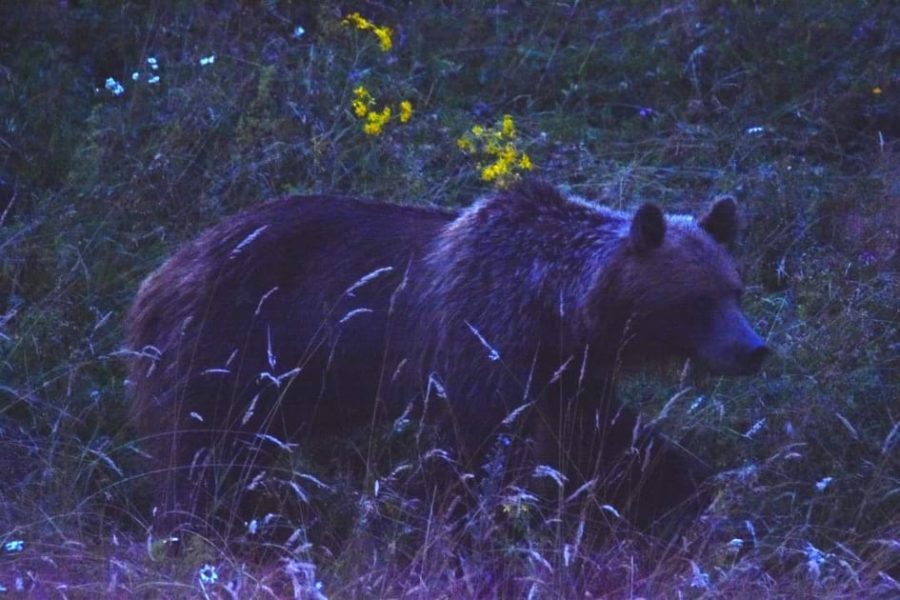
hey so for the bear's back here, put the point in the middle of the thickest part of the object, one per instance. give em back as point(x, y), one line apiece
point(264, 294)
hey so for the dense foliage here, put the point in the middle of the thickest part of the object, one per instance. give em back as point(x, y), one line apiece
point(126, 127)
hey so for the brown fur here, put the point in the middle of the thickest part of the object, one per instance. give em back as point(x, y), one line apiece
point(525, 299)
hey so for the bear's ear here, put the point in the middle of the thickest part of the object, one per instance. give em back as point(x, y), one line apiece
point(648, 227)
point(721, 222)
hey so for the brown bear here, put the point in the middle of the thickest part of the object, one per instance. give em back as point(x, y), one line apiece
point(319, 314)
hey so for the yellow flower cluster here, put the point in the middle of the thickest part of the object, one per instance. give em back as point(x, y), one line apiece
point(498, 145)
point(363, 104)
point(375, 121)
point(384, 34)
point(362, 100)
point(405, 111)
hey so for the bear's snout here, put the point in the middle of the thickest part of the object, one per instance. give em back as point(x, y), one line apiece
point(733, 348)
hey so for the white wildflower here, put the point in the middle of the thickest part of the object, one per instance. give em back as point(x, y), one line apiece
point(114, 87)
point(696, 404)
point(815, 560)
point(823, 483)
point(208, 574)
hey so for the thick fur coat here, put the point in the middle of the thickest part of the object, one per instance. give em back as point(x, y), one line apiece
point(315, 314)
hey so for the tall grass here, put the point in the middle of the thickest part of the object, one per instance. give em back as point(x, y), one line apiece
point(793, 107)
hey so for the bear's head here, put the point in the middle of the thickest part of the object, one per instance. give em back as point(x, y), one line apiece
point(679, 292)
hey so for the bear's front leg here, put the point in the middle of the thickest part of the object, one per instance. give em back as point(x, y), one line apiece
point(651, 481)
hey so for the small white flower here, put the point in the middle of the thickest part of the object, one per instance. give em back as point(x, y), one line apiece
point(114, 87)
point(815, 560)
point(208, 574)
point(823, 483)
point(153, 80)
point(153, 63)
point(696, 404)
point(14, 546)
point(135, 76)
point(298, 32)
point(756, 130)
point(207, 60)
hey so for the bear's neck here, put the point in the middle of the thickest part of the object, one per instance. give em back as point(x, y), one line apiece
point(521, 271)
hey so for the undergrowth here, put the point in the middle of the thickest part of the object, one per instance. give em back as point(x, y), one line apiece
point(126, 128)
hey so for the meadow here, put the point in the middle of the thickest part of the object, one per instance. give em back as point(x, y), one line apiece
point(128, 127)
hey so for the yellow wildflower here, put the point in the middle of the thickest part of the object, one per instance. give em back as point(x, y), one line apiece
point(508, 127)
point(363, 105)
point(375, 121)
point(491, 172)
point(384, 34)
point(497, 144)
point(876, 90)
point(466, 145)
point(406, 111)
point(362, 101)
point(384, 38)
point(358, 21)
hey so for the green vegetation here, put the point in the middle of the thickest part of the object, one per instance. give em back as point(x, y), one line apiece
point(127, 127)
